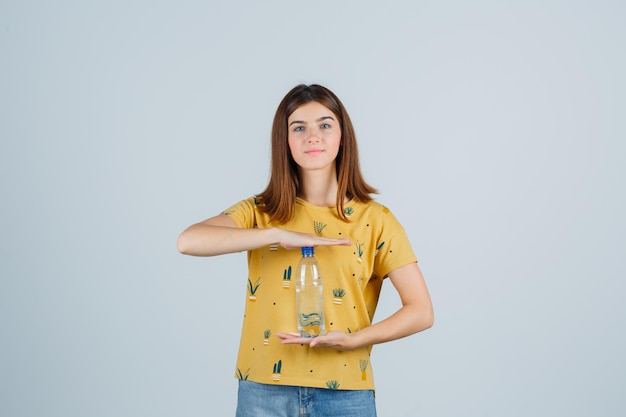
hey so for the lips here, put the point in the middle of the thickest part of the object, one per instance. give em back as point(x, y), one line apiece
point(314, 152)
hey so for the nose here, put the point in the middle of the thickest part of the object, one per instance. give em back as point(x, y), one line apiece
point(314, 136)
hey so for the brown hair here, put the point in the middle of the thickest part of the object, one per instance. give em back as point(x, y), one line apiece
point(279, 196)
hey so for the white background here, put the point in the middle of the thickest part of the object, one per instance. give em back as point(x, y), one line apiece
point(494, 130)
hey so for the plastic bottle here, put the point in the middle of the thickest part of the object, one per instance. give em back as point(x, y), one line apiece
point(309, 295)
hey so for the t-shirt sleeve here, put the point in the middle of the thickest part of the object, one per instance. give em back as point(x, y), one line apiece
point(393, 249)
point(243, 213)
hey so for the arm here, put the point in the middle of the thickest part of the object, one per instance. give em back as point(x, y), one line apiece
point(220, 235)
point(415, 315)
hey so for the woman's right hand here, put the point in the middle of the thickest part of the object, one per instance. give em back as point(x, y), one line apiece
point(220, 235)
point(295, 240)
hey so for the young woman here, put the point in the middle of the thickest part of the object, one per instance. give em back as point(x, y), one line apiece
point(316, 197)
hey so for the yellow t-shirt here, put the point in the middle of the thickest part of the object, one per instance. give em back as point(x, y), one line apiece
point(352, 277)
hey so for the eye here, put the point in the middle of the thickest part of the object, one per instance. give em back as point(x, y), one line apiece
point(326, 126)
point(298, 129)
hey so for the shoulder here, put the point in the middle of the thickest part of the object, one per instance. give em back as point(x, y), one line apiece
point(377, 214)
point(373, 207)
point(247, 203)
point(244, 212)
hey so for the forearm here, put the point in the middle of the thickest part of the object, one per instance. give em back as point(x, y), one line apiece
point(408, 320)
point(210, 240)
point(415, 315)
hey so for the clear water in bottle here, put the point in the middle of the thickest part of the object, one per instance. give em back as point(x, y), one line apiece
point(309, 295)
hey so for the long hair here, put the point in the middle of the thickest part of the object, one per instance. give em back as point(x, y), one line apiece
point(278, 199)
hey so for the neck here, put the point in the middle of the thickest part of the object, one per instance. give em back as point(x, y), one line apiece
point(319, 189)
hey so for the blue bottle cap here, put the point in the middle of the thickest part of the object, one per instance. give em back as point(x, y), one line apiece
point(307, 250)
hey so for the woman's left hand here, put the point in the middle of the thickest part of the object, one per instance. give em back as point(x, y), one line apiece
point(333, 340)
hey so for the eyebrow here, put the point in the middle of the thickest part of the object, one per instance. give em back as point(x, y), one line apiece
point(318, 120)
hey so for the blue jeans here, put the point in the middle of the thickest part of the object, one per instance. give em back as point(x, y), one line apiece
point(264, 400)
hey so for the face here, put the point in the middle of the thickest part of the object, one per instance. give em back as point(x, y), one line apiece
point(314, 137)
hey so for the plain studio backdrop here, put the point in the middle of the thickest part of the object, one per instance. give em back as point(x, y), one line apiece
point(494, 131)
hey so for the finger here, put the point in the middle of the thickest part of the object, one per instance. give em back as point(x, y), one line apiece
point(320, 341)
point(296, 340)
point(289, 335)
point(335, 242)
point(344, 242)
